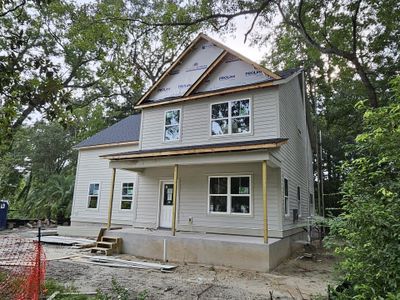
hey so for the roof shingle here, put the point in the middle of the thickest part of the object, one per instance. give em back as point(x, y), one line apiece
point(126, 130)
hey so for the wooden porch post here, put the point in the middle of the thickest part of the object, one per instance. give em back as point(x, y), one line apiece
point(110, 203)
point(174, 199)
point(265, 202)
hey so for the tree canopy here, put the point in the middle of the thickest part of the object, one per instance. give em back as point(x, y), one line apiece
point(68, 70)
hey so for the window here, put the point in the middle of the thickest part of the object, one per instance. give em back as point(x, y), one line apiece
point(298, 201)
point(232, 117)
point(286, 197)
point(172, 125)
point(127, 195)
point(93, 197)
point(229, 194)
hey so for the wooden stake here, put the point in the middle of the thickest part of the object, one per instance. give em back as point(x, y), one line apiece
point(110, 203)
point(264, 187)
point(174, 199)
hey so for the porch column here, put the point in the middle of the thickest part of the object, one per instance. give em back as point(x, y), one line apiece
point(174, 199)
point(110, 203)
point(265, 202)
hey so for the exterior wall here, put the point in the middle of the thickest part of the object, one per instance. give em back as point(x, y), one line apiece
point(296, 155)
point(193, 199)
point(93, 169)
point(148, 195)
point(195, 120)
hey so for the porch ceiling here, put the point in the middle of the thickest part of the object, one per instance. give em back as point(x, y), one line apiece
point(199, 149)
point(234, 153)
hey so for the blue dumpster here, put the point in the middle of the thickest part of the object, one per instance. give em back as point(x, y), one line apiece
point(3, 214)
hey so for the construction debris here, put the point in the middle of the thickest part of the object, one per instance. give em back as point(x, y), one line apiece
point(68, 241)
point(121, 263)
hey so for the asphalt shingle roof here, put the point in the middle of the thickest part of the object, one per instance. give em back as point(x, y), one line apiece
point(126, 130)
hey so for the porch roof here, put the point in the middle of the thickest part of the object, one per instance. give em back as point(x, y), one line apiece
point(199, 149)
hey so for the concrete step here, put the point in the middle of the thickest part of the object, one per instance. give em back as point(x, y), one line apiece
point(107, 245)
point(105, 251)
point(110, 239)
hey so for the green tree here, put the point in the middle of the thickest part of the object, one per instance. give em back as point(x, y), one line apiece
point(369, 229)
point(56, 56)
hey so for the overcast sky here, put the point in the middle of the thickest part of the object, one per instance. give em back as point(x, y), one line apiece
point(236, 40)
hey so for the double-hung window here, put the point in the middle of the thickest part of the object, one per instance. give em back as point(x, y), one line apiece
point(172, 126)
point(230, 194)
point(231, 117)
point(127, 195)
point(286, 197)
point(93, 197)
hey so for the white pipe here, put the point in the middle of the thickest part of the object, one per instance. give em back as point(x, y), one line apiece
point(165, 251)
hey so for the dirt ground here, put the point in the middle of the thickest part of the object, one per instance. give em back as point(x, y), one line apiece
point(296, 278)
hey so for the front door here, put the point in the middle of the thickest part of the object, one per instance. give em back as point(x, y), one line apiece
point(166, 204)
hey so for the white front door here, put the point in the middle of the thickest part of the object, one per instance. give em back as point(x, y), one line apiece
point(167, 190)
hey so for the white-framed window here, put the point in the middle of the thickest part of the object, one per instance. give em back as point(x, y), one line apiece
point(298, 201)
point(172, 125)
point(230, 117)
point(229, 194)
point(93, 195)
point(286, 197)
point(127, 195)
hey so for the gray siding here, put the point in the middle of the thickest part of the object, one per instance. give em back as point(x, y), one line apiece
point(296, 155)
point(193, 198)
point(195, 126)
point(92, 169)
point(149, 195)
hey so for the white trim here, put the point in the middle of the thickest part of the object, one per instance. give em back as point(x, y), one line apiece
point(98, 196)
point(121, 195)
point(179, 125)
point(298, 196)
point(160, 197)
point(229, 196)
point(286, 198)
point(107, 145)
point(230, 118)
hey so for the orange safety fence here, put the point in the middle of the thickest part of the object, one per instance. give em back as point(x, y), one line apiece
point(22, 268)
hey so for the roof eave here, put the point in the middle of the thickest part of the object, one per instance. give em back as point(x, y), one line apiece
point(196, 151)
point(77, 147)
point(223, 92)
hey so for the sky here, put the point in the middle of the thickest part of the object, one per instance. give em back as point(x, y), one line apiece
point(236, 40)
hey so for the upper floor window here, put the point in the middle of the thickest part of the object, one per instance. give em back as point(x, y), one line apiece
point(172, 126)
point(231, 117)
point(93, 196)
point(127, 195)
point(286, 197)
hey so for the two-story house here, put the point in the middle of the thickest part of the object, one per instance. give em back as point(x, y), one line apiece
point(218, 164)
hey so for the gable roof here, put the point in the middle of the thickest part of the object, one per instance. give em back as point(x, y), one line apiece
point(125, 131)
point(198, 67)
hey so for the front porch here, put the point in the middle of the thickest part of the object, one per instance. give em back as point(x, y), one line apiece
point(243, 252)
point(225, 205)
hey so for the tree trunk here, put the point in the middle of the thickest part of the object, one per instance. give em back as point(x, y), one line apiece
point(371, 93)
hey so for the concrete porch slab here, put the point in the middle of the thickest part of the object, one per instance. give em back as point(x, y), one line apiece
point(243, 252)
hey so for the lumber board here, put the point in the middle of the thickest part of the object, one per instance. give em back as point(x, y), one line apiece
point(132, 263)
point(197, 151)
point(210, 94)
